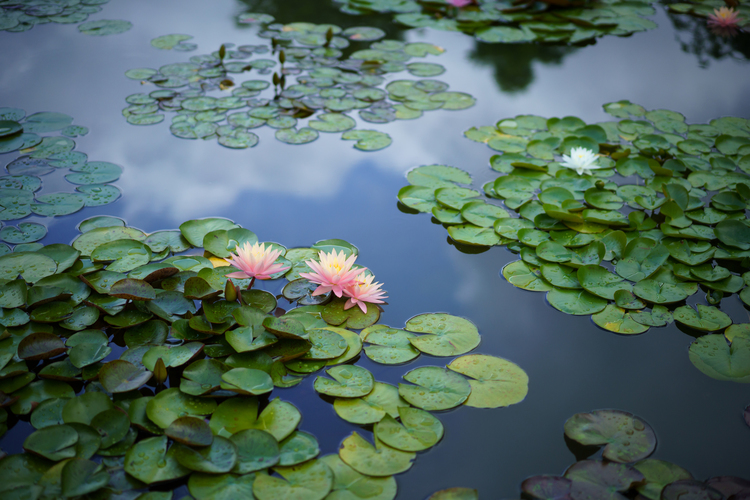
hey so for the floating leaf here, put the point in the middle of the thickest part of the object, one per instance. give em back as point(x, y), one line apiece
point(495, 382)
point(627, 437)
point(435, 388)
point(379, 460)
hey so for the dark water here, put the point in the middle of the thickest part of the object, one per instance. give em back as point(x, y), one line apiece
point(297, 195)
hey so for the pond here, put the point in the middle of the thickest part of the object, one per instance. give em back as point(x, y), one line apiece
point(299, 186)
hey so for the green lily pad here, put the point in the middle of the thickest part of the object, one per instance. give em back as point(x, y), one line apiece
point(348, 483)
point(379, 460)
point(204, 486)
point(715, 357)
point(256, 450)
point(85, 407)
point(658, 474)
point(26, 232)
point(279, 419)
point(170, 404)
point(247, 381)
point(349, 382)
point(626, 437)
point(332, 122)
point(234, 415)
point(294, 136)
point(150, 461)
point(418, 430)
point(383, 399)
point(618, 320)
point(308, 481)
point(577, 302)
point(368, 140)
point(435, 388)
point(334, 314)
point(705, 319)
point(522, 275)
point(220, 456)
point(388, 345)
point(299, 447)
point(445, 335)
point(122, 376)
point(80, 477)
point(55, 442)
point(495, 382)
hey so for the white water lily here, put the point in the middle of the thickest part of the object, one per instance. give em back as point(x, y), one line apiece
point(582, 160)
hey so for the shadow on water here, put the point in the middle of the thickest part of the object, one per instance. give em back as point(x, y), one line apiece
point(513, 64)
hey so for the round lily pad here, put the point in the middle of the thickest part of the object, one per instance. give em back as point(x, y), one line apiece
point(150, 461)
point(348, 483)
point(170, 404)
point(435, 388)
point(495, 382)
point(349, 381)
point(379, 460)
point(308, 481)
point(383, 399)
point(627, 437)
point(418, 430)
point(578, 302)
point(299, 447)
point(368, 140)
point(718, 359)
point(445, 335)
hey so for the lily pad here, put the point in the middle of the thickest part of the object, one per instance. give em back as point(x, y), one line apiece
point(626, 437)
point(379, 460)
point(308, 481)
point(445, 335)
point(495, 382)
point(435, 388)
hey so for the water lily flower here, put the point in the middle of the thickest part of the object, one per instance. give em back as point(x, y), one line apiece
point(581, 160)
point(724, 21)
point(333, 273)
point(255, 261)
point(460, 3)
point(363, 290)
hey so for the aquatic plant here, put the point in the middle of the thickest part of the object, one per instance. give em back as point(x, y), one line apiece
point(582, 160)
point(22, 15)
point(722, 20)
point(327, 87)
point(138, 364)
point(558, 21)
point(21, 192)
point(624, 469)
point(627, 250)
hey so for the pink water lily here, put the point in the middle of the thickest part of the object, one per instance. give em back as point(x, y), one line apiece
point(724, 21)
point(363, 290)
point(255, 261)
point(333, 273)
point(460, 3)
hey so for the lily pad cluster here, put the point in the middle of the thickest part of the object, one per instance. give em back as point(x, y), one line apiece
point(22, 15)
point(705, 8)
point(558, 21)
point(21, 181)
point(624, 469)
point(663, 217)
point(137, 364)
point(328, 87)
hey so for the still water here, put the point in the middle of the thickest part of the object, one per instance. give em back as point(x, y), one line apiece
point(297, 195)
